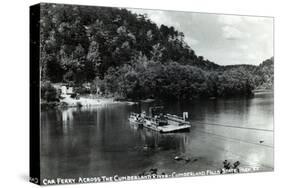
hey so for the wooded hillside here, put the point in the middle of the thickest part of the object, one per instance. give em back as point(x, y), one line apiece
point(134, 58)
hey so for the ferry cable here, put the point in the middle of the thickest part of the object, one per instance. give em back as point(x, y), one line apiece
point(237, 127)
point(234, 139)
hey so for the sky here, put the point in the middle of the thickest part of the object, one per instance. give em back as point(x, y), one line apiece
point(223, 39)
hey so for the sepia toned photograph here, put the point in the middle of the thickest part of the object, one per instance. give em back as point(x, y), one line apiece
point(134, 94)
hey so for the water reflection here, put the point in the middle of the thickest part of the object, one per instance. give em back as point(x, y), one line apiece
point(96, 141)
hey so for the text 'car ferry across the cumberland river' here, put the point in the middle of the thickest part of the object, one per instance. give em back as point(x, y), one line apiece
point(160, 122)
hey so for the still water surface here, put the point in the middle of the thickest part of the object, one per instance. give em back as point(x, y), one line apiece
point(99, 141)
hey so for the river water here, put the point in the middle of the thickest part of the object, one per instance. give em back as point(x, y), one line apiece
point(99, 141)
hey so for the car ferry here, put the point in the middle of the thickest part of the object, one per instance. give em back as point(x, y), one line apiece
point(161, 123)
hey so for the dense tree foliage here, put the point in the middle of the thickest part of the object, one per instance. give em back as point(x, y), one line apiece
point(132, 57)
point(81, 42)
point(264, 75)
point(48, 92)
point(176, 81)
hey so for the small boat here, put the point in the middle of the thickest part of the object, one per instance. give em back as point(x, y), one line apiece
point(136, 119)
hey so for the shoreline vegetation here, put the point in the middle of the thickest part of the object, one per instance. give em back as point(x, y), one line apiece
point(91, 100)
point(110, 54)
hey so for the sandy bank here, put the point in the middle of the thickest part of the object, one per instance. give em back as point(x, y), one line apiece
point(83, 101)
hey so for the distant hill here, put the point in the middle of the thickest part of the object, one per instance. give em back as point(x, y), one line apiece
point(264, 75)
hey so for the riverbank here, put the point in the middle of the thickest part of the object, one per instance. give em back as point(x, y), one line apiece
point(263, 91)
point(68, 101)
point(84, 101)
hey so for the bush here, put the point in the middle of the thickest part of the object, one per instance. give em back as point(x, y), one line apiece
point(48, 92)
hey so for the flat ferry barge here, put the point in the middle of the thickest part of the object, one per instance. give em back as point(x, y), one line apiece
point(162, 123)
